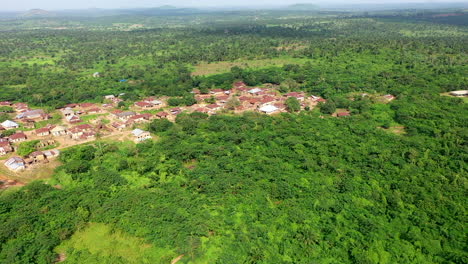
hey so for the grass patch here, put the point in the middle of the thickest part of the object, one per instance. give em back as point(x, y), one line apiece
point(99, 243)
point(88, 118)
point(38, 172)
point(225, 66)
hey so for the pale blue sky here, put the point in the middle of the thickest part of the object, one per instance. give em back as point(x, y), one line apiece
point(8, 5)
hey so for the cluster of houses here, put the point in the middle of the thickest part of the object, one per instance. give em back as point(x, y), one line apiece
point(6, 142)
point(73, 112)
point(24, 115)
point(265, 100)
point(150, 102)
point(239, 98)
point(16, 164)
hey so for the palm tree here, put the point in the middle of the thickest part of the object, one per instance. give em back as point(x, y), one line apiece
point(38, 97)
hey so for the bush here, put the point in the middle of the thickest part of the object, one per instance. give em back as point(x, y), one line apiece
point(327, 108)
point(293, 105)
point(27, 147)
point(160, 125)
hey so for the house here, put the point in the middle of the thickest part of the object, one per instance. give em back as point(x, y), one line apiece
point(46, 143)
point(222, 98)
point(141, 135)
point(59, 131)
point(318, 99)
point(94, 110)
point(33, 114)
point(42, 132)
point(152, 100)
point(15, 164)
point(37, 156)
point(51, 153)
point(298, 96)
point(267, 99)
point(67, 112)
point(341, 114)
point(115, 113)
point(217, 91)
point(86, 105)
point(459, 93)
point(143, 104)
point(280, 105)
point(109, 97)
point(29, 123)
point(71, 105)
point(96, 75)
point(88, 135)
point(7, 124)
point(202, 110)
point(106, 105)
point(268, 109)
point(124, 116)
point(213, 107)
point(238, 85)
point(6, 103)
point(20, 106)
point(77, 131)
point(119, 126)
point(255, 90)
point(5, 148)
point(389, 97)
point(140, 118)
point(116, 100)
point(254, 101)
point(161, 115)
point(73, 119)
point(175, 111)
point(18, 137)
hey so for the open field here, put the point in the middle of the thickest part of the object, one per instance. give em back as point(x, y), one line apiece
point(225, 66)
point(36, 172)
point(106, 245)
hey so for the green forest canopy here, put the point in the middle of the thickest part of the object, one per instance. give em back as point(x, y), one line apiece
point(251, 188)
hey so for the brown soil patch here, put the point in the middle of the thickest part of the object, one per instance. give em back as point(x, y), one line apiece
point(174, 261)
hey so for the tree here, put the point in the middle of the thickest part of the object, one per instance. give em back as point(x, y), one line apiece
point(232, 103)
point(293, 105)
point(288, 85)
point(27, 147)
point(4, 117)
point(160, 125)
point(328, 107)
point(6, 109)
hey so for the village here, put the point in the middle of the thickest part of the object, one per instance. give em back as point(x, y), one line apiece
point(85, 122)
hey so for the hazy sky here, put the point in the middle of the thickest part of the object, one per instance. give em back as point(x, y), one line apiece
point(7, 5)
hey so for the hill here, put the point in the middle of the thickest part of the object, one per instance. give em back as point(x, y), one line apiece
point(302, 7)
point(37, 13)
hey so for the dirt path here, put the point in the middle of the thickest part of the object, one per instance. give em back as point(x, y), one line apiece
point(174, 261)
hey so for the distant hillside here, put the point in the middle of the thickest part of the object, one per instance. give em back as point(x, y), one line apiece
point(167, 7)
point(302, 7)
point(37, 13)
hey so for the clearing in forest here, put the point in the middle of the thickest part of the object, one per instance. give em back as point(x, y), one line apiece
point(206, 68)
point(99, 243)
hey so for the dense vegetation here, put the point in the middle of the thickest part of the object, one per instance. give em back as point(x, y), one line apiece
point(294, 188)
